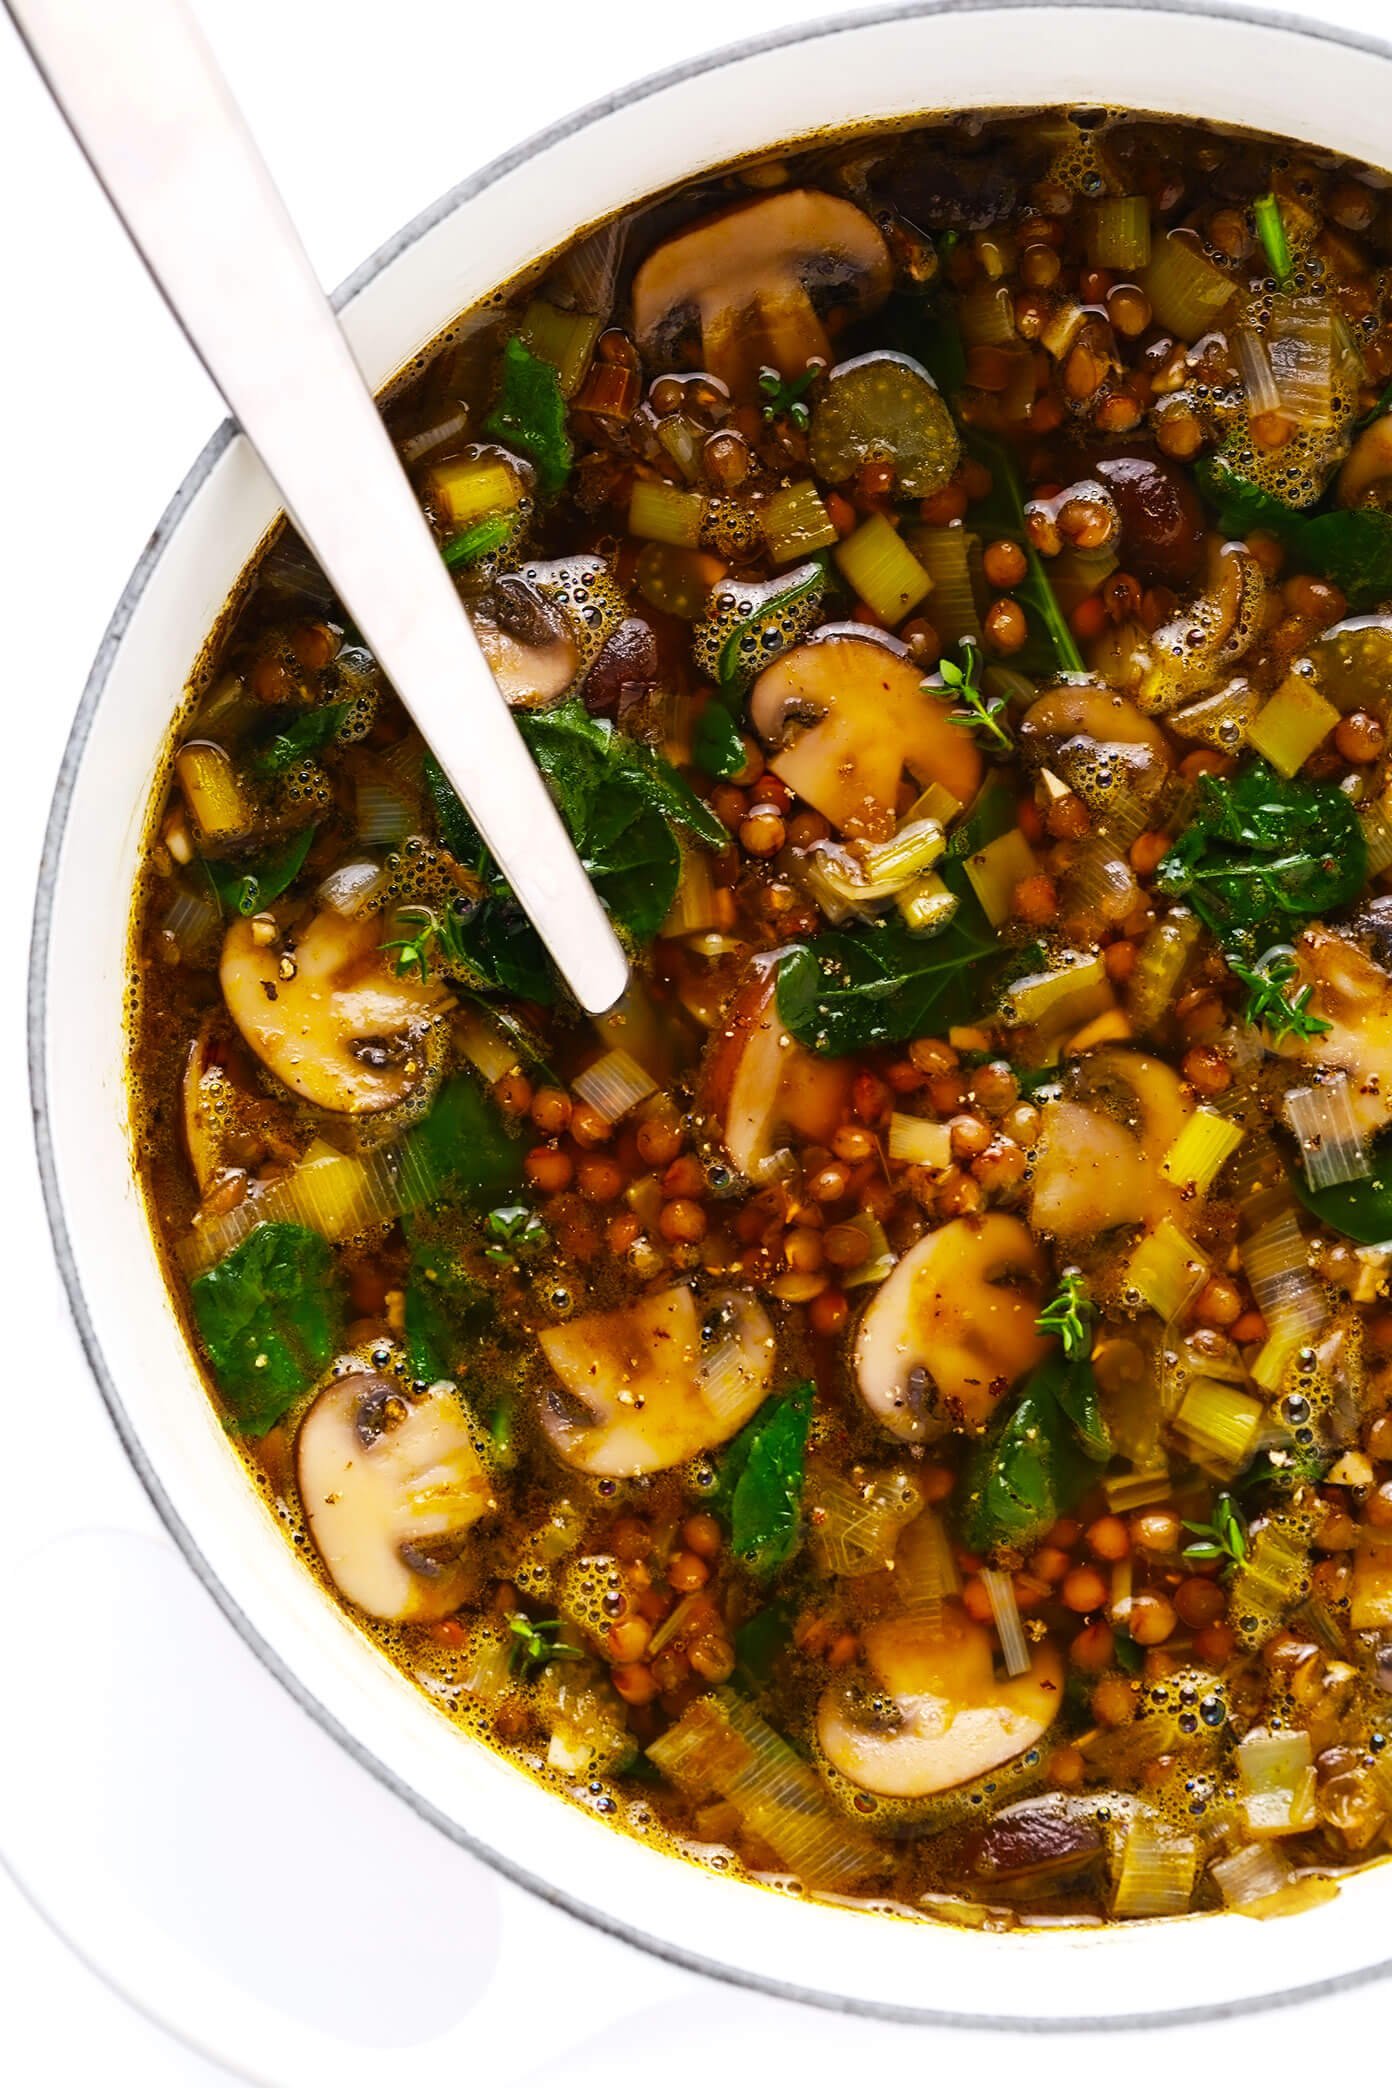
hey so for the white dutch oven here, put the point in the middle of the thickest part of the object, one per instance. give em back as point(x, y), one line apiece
point(1327, 89)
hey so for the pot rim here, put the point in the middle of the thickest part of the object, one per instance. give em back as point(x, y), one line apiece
point(473, 185)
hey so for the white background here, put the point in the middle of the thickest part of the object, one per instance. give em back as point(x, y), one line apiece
point(134, 1728)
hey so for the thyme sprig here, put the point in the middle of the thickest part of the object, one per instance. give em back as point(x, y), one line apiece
point(1070, 1314)
point(535, 1642)
point(1269, 1006)
point(1225, 1537)
point(977, 712)
point(783, 396)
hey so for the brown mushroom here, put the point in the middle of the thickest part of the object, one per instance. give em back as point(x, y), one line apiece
point(1351, 994)
point(527, 643)
point(952, 1328)
point(1097, 1163)
point(1098, 741)
point(844, 717)
point(1162, 527)
point(1366, 477)
point(761, 284)
point(757, 1084)
point(1164, 668)
point(228, 1124)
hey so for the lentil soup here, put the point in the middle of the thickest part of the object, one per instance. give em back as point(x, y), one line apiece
point(902, 1407)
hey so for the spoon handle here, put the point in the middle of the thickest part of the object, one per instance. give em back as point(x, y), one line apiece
point(164, 136)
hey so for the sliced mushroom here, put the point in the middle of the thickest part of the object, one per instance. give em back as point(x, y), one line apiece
point(1097, 1162)
point(1164, 668)
point(1352, 992)
point(759, 283)
point(1366, 477)
point(952, 1328)
point(655, 1382)
point(390, 1484)
point(527, 643)
point(758, 1084)
point(1161, 517)
point(1099, 742)
point(844, 718)
point(940, 1717)
point(227, 1123)
point(1030, 1847)
point(322, 1007)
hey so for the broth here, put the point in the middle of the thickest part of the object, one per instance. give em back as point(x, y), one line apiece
point(902, 1408)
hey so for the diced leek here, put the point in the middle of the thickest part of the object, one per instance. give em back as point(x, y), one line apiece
point(986, 315)
point(879, 1256)
point(467, 488)
point(925, 1569)
point(1137, 1489)
point(918, 1142)
point(694, 905)
point(1156, 1875)
point(1331, 1144)
point(383, 815)
point(212, 791)
point(945, 555)
point(614, 1085)
point(1160, 965)
point(332, 1193)
point(913, 849)
point(1166, 1269)
point(1251, 1875)
point(677, 579)
point(485, 1665)
point(1030, 999)
point(353, 886)
point(1303, 348)
point(1289, 1296)
point(1204, 1143)
point(796, 523)
point(452, 428)
point(881, 570)
point(937, 802)
point(826, 883)
point(1277, 1782)
point(1291, 724)
point(925, 905)
point(1186, 291)
point(721, 1744)
point(853, 1529)
point(1118, 233)
point(1219, 1423)
point(193, 919)
point(1270, 1580)
point(1258, 378)
point(485, 1044)
point(993, 873)
point(1005, 1610)
point(565, 339)
point(664, 514)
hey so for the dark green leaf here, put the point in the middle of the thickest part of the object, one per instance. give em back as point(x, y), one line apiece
point(1130, 1657)
point(1362, 1210)
point(462, 1151)
point(1040, 1456)
point(453, 824)
point(246, 889)
point(475, 542)
point(759, 1642)
point(761, 1480)
point(1261, 855)
point(849, 989)
point(269, 1314)
point(1350, 546)
point(530, 415)
point(445, 1308)
point(716, 745)
point(305, 735)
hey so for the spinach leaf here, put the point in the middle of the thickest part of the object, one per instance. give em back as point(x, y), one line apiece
point(1043, 1451)
point(497, 941)
point(1361, 1210)
point(577, 753)
point(761, 1480)
point(1350, 546)
point(530, 415)
point(1260, 855)
point(269, 1315)
point(462, 1151)
point(445, 1308)
point(716, 745)
point(246, 890)
point(759, 1642)
point(304, 735)
point(849, 989)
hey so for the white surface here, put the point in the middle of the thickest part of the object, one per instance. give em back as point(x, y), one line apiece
point(192, 1793)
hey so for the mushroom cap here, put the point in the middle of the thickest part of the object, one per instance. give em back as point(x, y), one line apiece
point(869, 718)
point(953, 1718)
point(655, 1382)
point(752, 279)
point(1368, 465)
point(1095, 739)
point(1206, 636)
point(390, 1483)
point(952, 1328)
point(341, 1028)
point(1352, 992)
point(758, 1083)
point(1097, 1160)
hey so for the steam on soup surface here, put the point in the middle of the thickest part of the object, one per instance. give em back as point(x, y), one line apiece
point(904, 1402)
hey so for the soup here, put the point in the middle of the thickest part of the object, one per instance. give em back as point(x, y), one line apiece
point(902, 1407)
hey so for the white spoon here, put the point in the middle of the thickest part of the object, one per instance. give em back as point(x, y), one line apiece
point(156, 120)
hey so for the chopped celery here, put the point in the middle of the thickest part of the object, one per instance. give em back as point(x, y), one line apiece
point(926, 904)
point(1219, 1423)
point(918, 1142)
point(913, 849)
point(1206, 1141)
point(665, 514)
point(1031, 998)
point(614, 1085)
point(1291, 724)
point(468, 488)
point(1166, 1269)
point(1258, 377)
point(1138, 1488)
point(796, 522)
point(1118, 233)
point(1160, 965)
point(1155, 1877)
point(565, 339)
point(995, 871)
point(1277, 1782)
point(1251, 1875)
point(1271, 231)
point(1331, 1144)
point(1186, 291)
point(695, 907)
point(986, 315)
point(217, 803)
point(937, 802)
point(853, 1529)
point(1005, 1612)
point(945, 557)
point(882, 570)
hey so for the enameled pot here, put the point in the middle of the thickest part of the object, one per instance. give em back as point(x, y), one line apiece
point(1328, 89)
